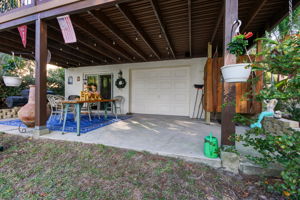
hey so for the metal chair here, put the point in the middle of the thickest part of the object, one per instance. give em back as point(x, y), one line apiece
point(119, 103)
point(56, 105)
point(85, 108)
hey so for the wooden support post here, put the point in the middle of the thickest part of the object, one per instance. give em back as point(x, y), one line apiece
point(41, 53)
point(209, 55)
point(228, 100)
point(257, 106)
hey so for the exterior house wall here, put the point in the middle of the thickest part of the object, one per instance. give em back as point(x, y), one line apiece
point(196, 66)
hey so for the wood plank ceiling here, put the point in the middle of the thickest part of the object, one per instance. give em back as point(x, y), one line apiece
point(146, 30)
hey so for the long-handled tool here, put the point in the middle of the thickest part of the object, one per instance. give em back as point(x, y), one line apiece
point(198, 87)
point(200, 106)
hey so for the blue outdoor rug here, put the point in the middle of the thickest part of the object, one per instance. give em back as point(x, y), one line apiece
point(86, 125)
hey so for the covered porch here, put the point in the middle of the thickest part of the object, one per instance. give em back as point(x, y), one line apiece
point(145, 35)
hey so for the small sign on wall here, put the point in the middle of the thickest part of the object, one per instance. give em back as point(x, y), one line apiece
point(78, 78)
point(70, 80)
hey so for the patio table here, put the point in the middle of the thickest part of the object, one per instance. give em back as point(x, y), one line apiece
point(78, 105)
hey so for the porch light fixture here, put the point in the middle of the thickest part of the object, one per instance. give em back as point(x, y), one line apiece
point(77, 48)
point(114, 43)
point(119, 58)
point(133, 57)
point(159, 35)
point(61, 49)
point(95, 44)
point(136, 38)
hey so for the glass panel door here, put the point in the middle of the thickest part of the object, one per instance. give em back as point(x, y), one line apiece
point(103, 84)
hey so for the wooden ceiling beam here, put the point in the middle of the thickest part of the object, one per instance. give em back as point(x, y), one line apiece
point(46, 13)
point(76, 49)
point(98, 36)
point(220, 17)
point(11, 41)
point(8, 49)
point(190, 27)
point(157, 13)
point(31, 41)
point(253, 13)
point(61, 49)
point(84, 26)
point(82, 48)
point(105, 21)
point(137, 27)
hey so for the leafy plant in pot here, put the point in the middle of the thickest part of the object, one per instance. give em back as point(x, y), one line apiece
point(238, 72)
point(11, 70)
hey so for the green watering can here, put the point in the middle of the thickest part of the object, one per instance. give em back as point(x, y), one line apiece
point(211, 146)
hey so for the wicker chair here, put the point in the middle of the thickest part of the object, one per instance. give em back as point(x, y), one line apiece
point(57, 107)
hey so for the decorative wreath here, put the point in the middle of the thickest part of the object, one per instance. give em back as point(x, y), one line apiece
point(121, 83)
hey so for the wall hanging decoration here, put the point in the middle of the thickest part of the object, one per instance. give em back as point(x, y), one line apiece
point(70, 80)
point(23, 33)
point(67, 29)
point(120, 82)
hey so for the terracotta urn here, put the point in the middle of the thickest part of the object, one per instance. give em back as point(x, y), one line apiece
point(26, 114)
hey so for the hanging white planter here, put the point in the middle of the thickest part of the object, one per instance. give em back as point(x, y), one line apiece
point(236, 72)
point(12, 81)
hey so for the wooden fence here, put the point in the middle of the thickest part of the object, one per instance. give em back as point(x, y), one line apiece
point(213, 89)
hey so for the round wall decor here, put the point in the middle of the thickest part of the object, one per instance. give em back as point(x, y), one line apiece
point(120, 83)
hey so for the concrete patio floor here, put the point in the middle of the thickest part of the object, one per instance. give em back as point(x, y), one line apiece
point(173, 136)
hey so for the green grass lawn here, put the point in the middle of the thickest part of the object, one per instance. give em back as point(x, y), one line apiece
point(47, 169)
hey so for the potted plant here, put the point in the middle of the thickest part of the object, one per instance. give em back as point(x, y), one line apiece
point(10, 71)
point(237, 72)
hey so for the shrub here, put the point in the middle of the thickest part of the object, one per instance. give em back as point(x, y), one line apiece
point(280, 58)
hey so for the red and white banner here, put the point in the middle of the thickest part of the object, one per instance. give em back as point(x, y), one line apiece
point(23, 34)
point(67, 29)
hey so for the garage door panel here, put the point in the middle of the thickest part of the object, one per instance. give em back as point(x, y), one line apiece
point(181, 74)
point(165, 84)
point(164, 91)
point(180, 98)
point(164, 74)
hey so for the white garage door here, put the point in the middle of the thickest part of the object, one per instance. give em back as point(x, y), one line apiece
point(162, 91)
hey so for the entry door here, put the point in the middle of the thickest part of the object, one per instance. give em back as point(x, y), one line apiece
point(103, 83)
point(106, 86)
point(163, 91)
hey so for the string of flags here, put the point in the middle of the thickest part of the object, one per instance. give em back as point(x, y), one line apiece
point(65, 25)
point(23, 33)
